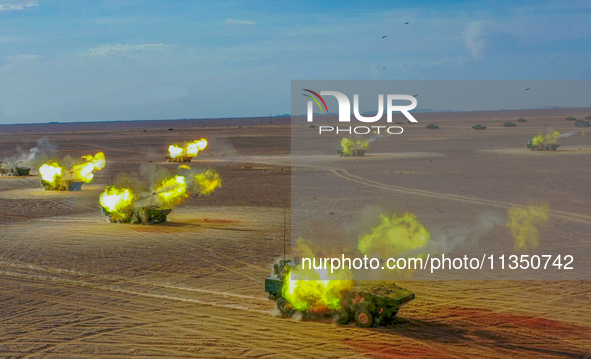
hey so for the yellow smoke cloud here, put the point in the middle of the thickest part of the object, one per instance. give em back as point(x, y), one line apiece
point(194, 147)
point(316, 290)
point(172, 191)
point(190, 149)
point(539, 139)
point(348, 145)
point(312, 289)
point(524, 225)
point(207, 182)
point(51, 172)
point(394, 236)
point(175, 151)
point(116, 200)
point(98, 161)
point(84, 172)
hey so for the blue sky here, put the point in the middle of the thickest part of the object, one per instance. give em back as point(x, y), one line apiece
point(125, 59)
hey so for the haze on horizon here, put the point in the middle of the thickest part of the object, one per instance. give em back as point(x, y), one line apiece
point(72, 61)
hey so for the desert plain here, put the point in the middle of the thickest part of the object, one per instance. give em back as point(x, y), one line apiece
point(74, 285)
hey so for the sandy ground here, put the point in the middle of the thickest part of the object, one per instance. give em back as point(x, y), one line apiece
point(73, 285)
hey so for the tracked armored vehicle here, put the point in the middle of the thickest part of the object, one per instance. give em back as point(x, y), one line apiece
point(22, 171)
point(62, 185)
point(15, 171)
point(184, 159)
point(367, 305)
point(144, 215)
point(432, 126)
point(510, 124)
point(479, 127)
point(357, 151)
point(12, 169)
point(582, 123)
point(544, 146)
point(522, 120)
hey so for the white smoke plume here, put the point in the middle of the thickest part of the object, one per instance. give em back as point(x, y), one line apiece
point(568, 134)
point(32, 157)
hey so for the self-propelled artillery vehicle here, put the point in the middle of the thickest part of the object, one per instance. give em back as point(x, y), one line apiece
point(367, 304)
point(356, 151)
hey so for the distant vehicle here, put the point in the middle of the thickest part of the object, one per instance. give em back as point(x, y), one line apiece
point(399, 123)
point(184, 159)
point(521, 120)
point(62, 185)
point(432, 126)
point(312, 126)
point(509, 124)
point(542, 146)
point(366, 304)
point(571, 118)
point(582, 123)
point(479, 127)
point(144, 215)
point(13, 170)
point(357, 151)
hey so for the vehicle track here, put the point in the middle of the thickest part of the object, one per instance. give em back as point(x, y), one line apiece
point(573, 217)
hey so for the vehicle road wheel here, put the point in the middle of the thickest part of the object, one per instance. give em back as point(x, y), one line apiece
point(343, 317)
point(363, 317)
point(284, 307)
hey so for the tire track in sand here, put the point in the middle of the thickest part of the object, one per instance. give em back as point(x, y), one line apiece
point(341, 173)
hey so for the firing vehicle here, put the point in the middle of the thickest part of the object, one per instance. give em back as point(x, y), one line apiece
point(62, 185)
point(544, 146)
point(366, 304)
point(522, 120)
point(479, 127)
point(510, 124)
point(143, 215)
point(356, 151)
point(184, 159)
point(432, 126)
point(582, 123)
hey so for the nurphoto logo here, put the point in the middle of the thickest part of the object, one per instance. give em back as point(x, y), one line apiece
point(345, 112)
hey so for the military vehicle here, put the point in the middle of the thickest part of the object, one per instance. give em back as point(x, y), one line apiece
point(22, 171)
point(357, 151)
point(366, 304)
point(399, 123)
point(432, 126)
point(582, 123)
point(544, 146)
point(510, 124)
point(143, 215)
point(571, 119)
point(479, 127)
point(62, 185)
point(12, 169)
point(15, 171)
point(521, 120)
point(185, 159)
